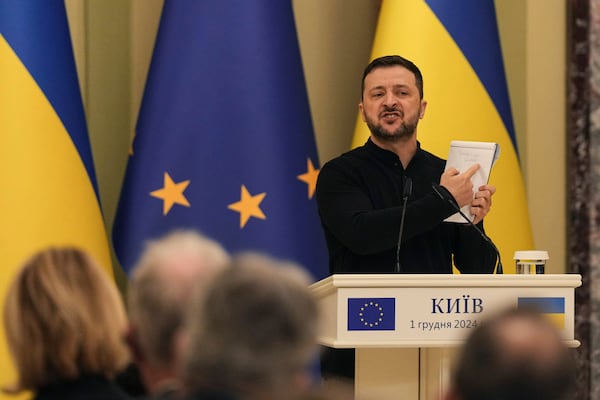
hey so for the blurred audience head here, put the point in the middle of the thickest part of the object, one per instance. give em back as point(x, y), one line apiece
point(168, 272)
point(63, 318)
point(254, 332)
point(517, 354)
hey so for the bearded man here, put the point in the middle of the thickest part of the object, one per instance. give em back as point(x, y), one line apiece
point(361, 193)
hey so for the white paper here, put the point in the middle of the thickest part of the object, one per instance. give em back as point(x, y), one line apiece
point(462, 156)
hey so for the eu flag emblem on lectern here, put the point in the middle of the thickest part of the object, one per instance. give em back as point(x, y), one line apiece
point(372, 314)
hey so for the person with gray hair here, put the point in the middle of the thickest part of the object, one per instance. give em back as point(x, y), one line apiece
point(168, 272)
point(253, 334)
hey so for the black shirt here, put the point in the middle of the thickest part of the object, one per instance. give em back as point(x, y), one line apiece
point(91, 387)
point(359, 195)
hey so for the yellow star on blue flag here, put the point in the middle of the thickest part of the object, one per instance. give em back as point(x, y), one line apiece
point(248, 206)
point(230, 146)
point(171, 193)
point(310, 178)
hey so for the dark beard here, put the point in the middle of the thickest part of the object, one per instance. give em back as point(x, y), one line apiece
point(405, 131)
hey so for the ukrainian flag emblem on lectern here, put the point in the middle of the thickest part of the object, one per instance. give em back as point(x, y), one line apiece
point(551, 307)
point(372, 314)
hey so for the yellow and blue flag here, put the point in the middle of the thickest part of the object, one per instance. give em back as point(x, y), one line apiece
point(551, 307)
point(224, 141)
point(49, 193)
point(456, 45)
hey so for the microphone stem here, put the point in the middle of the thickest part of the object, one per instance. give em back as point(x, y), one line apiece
point(438, 190)
point(499, 269)
point(400, 235)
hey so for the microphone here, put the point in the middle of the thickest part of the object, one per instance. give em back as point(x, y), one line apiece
point(406, 192)
point(445, 195)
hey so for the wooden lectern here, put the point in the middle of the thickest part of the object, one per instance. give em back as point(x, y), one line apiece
point(406, 328)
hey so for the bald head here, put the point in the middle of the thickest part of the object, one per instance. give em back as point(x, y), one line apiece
point(515, 355)
point(531, 340)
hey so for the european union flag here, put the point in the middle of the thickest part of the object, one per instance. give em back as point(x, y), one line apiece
point(372, 314)
point(224, 141)
point(551, 307)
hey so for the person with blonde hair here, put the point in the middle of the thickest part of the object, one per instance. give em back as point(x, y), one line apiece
point(252, 334)
point(65, 325)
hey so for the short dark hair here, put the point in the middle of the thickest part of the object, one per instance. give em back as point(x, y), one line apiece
point(390, 61)
point(491, 366)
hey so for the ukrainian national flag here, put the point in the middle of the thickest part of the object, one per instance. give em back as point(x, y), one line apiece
point(48, 194)
point(224, 140)
point(457, 47)
point(551, 307)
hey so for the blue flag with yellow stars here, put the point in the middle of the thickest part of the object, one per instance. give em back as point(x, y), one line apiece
point(224, 141)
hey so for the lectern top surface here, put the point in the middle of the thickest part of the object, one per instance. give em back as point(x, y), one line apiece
point(446, 280)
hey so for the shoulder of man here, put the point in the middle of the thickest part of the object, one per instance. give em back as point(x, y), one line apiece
point(353, 156)
point(430, 158)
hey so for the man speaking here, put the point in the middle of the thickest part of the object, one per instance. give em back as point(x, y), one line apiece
point(360, 193)
point(378, 203)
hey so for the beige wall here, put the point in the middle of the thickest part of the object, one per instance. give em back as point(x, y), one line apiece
point(546, 105)
point(113, 42)
point(533, 34)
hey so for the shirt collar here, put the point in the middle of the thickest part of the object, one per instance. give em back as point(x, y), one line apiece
point(387, 156)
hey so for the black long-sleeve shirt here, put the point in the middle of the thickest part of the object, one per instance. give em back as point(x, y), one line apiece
point(359, 195)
